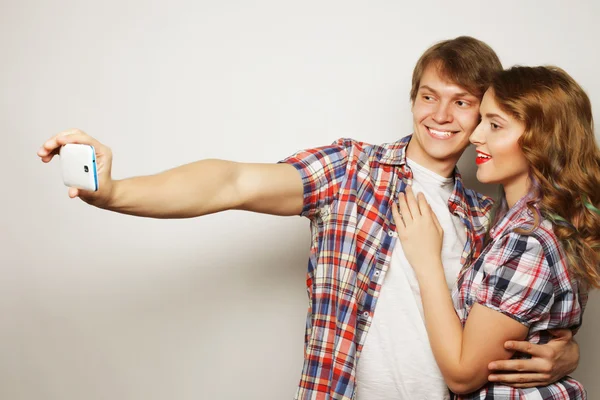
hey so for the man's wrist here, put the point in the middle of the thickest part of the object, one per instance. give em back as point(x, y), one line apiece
point(111, 202)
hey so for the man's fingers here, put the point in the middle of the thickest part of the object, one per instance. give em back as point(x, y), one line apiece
point(79, 137)
point(520, 378)
point(49, 157)
point(524, 347)
point(564, 334)
point(73, 192)
point(48, 148)
point(52, 145)
point(526, 385)
point(533, 365)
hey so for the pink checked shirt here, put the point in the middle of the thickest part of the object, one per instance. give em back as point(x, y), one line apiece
point(524, 277)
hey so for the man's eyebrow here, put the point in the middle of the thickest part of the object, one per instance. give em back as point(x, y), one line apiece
point(429, 88)
point(461, 94)
point(464, 94)
point(492, 115)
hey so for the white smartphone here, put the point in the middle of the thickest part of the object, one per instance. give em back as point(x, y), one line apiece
point(78, 165)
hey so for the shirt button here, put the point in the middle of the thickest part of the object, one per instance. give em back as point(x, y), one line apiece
point(390, 233)
point(366, 314)
point(377, 273)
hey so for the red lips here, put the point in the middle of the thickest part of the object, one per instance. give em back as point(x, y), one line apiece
point(482, 157)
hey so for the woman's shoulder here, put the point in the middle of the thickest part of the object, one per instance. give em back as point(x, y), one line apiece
point(535, 233)
point(542, 235)
point(539, 244)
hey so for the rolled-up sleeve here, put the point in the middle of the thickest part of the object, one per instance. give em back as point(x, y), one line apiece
point(322, 170)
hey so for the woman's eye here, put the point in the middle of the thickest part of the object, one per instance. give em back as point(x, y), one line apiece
point(494, 126)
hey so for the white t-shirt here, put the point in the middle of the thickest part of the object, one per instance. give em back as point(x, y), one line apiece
point(397, 361)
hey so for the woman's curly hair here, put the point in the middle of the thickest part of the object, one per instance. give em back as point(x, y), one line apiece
point(564, 158)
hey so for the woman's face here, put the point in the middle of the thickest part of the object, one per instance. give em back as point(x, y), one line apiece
point(499, 156)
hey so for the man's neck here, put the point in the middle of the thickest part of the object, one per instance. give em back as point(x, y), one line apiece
point(443, 168)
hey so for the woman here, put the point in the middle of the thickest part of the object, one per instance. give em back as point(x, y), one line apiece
point(543, 254)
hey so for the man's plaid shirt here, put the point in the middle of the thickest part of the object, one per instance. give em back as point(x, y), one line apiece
point(348, 189)
point(525, 277)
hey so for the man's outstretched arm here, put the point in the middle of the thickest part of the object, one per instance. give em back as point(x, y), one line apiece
point(191, 190)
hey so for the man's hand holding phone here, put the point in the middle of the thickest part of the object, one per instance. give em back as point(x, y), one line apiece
point(103, 163)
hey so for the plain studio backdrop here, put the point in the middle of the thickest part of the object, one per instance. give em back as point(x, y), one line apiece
point(98, 305)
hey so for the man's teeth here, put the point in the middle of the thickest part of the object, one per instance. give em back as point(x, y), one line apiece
point(440, 133)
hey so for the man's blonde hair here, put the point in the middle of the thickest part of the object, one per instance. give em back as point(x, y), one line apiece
point(465, 61)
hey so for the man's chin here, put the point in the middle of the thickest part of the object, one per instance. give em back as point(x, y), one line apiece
point(443, 150)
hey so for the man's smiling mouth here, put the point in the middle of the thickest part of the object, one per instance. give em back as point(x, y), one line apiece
point(440, 134)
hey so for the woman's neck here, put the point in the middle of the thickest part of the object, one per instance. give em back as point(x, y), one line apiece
point(516, 190)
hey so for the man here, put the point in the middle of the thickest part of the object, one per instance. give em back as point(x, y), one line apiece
point(346, 189)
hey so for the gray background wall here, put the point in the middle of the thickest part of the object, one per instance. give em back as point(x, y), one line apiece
point(97, 305)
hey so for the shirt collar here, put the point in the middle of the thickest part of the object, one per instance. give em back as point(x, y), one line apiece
point(395, 153)
point(458, 198)
point(518, 215)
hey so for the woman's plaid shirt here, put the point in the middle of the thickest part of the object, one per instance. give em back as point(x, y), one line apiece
point(525, 277)
point(348, 189)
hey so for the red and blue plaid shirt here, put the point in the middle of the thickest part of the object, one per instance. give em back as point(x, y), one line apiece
point(525, 277)
point(348, 189)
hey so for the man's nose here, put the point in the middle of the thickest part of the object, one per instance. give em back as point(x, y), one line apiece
point(442, 114)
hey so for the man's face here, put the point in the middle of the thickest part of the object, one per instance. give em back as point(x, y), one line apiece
point(444, 116)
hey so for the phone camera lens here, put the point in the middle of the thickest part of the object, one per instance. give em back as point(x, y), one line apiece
point(86, 169)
